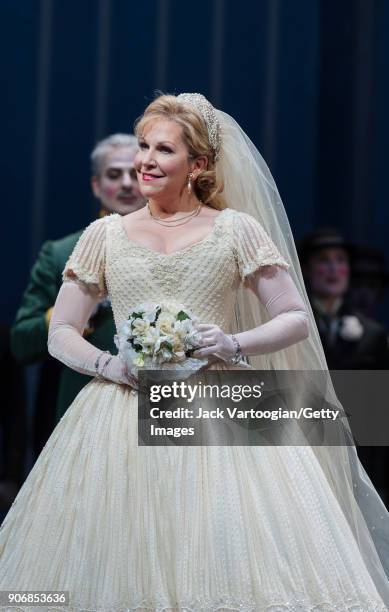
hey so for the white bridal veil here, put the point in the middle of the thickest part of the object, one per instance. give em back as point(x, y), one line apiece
point(249, 187)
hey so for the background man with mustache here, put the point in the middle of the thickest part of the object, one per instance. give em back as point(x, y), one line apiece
point(115, 186)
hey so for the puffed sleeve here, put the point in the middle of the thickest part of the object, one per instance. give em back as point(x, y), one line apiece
point(253, 246)
point(86, 264)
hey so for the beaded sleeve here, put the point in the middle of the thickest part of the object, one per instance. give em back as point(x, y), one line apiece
point(253, 246)
point(86, 264)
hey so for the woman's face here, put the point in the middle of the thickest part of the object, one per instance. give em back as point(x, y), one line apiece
point(162, 162)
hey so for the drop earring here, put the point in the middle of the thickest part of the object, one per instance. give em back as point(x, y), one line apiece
point(189, 186)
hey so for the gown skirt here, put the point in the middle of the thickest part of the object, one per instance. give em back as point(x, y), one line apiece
point(125, 527)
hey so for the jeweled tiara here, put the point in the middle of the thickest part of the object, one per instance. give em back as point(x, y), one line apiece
point(207, 111)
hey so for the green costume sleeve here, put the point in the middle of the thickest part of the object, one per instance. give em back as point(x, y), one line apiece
point(29, 331)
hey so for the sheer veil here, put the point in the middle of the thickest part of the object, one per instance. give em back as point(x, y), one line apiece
point(249, 187)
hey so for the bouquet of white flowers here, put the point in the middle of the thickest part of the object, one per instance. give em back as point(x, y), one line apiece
point(157, 336)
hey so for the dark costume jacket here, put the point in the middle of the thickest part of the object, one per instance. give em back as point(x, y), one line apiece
point(29, 331)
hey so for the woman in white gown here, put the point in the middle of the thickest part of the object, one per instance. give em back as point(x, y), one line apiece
point(249, 528)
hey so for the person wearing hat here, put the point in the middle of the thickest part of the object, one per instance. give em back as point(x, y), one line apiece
point(351, 340)
point(115, 186)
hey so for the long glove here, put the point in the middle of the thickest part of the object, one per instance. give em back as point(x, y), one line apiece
point(277, 292)
point(73, 307)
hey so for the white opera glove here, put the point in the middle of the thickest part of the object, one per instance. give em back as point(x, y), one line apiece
point(277, 292)
point(215, 341)
point(72, 310)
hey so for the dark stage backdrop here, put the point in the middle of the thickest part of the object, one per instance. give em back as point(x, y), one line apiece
point(307, 79)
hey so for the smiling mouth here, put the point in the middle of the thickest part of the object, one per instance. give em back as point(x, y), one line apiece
point(150, 177)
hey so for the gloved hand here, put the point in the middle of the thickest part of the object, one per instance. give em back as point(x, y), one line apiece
point(215, 341)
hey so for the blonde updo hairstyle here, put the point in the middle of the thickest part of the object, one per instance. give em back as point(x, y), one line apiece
point(208, 186)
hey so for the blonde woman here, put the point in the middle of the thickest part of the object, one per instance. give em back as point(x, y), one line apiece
point(253, 528)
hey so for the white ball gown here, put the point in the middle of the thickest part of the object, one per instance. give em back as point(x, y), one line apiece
point(123, 527)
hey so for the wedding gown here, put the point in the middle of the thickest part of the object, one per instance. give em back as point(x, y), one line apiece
point(123, 527)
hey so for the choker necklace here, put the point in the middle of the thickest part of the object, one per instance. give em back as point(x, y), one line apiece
point(174, 222)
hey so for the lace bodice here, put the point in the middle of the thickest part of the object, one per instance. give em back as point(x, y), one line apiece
point(204, 276)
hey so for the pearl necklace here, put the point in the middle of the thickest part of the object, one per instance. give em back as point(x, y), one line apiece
point(174, 222)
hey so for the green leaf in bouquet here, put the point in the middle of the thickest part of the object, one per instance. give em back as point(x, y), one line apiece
point(182, 316)
point(167, 345)
point(137, 347)
point(137, 315)
point(158, 312)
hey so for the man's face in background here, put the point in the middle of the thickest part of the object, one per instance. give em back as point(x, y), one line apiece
point(117, 186)
point(328, 272)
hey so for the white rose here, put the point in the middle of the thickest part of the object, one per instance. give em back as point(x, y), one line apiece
point(149, 340)
point(183, 328)
point(351, 328)
point(140, 327)
point(165, 323)
point(149, 311)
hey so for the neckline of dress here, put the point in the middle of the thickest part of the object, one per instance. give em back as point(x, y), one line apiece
point(179, 251)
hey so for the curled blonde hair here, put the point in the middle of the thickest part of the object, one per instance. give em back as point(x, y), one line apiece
point(208, 187)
